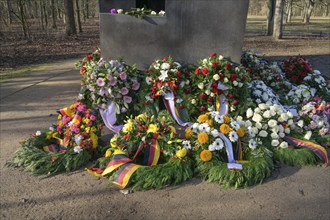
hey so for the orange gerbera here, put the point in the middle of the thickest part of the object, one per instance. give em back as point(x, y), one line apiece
point(225, 129)
point(240, 132)
point(205, 155)
point(202, 118)
point(203, 138)
point(226, 119)
point(188, 133)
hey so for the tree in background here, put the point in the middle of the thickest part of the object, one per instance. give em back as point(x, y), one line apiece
point(278, 20)
point(270, 17)
point(70, 27)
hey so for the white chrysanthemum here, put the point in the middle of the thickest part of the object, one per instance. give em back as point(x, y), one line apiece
point(254, 130)
point(211, 147)
point(233, 137)
point(38, 133)
point(275, 143)
point(265, 97)
point(258, 101)
point(272, 123)
point(204, 128)
point(186, 144)
point(249, 113)
point(258, 125)
point(78, 139)
point(284, 145)
point(256, 117)
point(257, 93)
point(248, 123)
point(263, 133)
point(215, 133)
point(235, 125)
point(252, 144)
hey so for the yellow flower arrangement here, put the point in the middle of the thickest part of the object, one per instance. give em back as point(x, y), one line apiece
point(189, 133)
point(113, 142)
point(153, 128)
point(203, 137)
point(181, 153)
point(225, 129)
point(209, 122)
point(205, 155)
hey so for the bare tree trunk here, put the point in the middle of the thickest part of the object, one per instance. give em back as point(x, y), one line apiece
point(288, 11)
point(9, 7)
point(270, 17)
point(78, 16)
point(278, 20)
point(22, 17)
point(45, 12)
point(70, 27)
point(41, 15)
point(52, 4)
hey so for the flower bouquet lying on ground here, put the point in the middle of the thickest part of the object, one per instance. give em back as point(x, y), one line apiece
point(146, 154)
point(66, 146)
point(225, 154)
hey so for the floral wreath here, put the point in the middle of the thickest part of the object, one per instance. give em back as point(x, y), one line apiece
point(110, 87)
point(168, 80)
point(221, 143)
point(146, 154)
point(66, 146)
point(218, 84)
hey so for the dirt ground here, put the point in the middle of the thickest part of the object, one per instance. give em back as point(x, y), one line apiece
point(29, 104)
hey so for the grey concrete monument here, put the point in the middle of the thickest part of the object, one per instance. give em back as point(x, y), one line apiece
point(190, 30)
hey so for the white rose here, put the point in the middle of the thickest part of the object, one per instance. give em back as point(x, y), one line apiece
point(263, 133)
point(225, 80)
point(272, 123)
point(274, 136)
point(249, 113)
point(272, 112)
point(193, 101)
point(120, 11)
point(259, 125)
point(216, 77)
point(266, 114)
point(284, 116)
point(290, 115)
point(240, 84)
point(256, 117)
point(212, 94)
point(284, 145)
point(257, 110)
point(207, 92)
point(220, 57)
point(262, 106)
point(281, 134)
point(248, 123)
point(235, 83)
point(275, 143)
point(254, 130)
point(200, 85)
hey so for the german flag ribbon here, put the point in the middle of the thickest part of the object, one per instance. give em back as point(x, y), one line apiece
point(152, 152)
point(77, 118)
point(316, 148)
point(124, 173)
point(53, 148)
point(119, 159)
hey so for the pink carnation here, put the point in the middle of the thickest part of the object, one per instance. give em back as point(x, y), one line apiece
point(100, 82)
point(127, 99)
point(124, 91)
point(123, 76)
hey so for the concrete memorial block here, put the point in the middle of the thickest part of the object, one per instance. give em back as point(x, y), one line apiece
point(190, 30)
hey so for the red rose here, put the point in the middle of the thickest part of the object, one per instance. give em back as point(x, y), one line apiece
point(235, 102)
point(209, 99)
point(165, 59)
point(89, 58)
point(147, 71)
point(198, 71)
point(222, 76)
point(205, 71)
point(294, 78)
point(228, 66)
point(186, 91)
point(202, 108)
point(153, 90)
point(233, 77)
point(215, 85)
point(181, 107)
point(230, 96)
point(213, 55)
point(214, 65)
point(179, 73)
point(202, 96)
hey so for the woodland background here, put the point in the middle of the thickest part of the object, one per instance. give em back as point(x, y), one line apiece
point(40, 31)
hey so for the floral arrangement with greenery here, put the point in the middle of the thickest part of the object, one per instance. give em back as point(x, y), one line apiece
point(296, 69)
point(214, 77)
point(210, 138)
point(170, 164)
point(138, 12)
point(66, 146)
point(110, 82)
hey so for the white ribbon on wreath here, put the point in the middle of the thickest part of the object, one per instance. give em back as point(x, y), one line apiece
point(109, 117)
